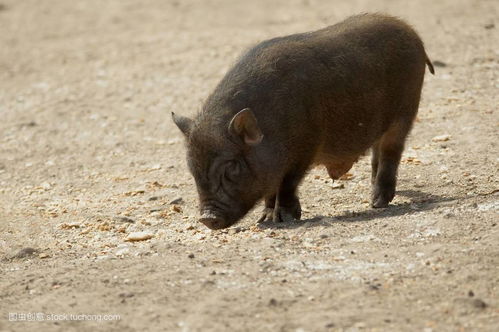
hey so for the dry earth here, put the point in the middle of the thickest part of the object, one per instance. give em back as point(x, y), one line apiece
point(88, 155)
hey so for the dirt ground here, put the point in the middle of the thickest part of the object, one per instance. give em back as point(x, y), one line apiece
point(89, 155)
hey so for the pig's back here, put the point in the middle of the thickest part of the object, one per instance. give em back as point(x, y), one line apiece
point(335, 90)
point(344, 84)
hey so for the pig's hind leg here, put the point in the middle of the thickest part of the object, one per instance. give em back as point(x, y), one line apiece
point(285, 205)
point(385, 161)
point(374, 162)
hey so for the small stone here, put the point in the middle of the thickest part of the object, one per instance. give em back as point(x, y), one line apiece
point(122, 251)
point(70, 225)
point(235, 230)
point(337, 185)
point(126, 295)
point(438, 63)
point(191, 256)
point(25, 252)
point(178, 200)
point(176, 208)
point(347, 177)
point(156, 209)
point(124, 219)
point(471, 294)
point(273, 302)
point(477, 303)
point(139, 236)
point(441, 138)
point(146, 222)
point(43, 255)
point(155, 167)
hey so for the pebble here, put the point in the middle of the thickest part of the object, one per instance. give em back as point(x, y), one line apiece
point(176, 208)
point(124, 219)
point(337, 185)
point(122, 251)
point(155, 167)
point(441, 138)
point(70, 225)
point(178, 200)
point(157, 209)
point(24, 252)
point(477, 303)
point(438, 63)
point(139, 236)
point(151, 221)
point(236, 230)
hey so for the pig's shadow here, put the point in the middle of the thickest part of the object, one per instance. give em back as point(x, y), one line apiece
point(420, 201)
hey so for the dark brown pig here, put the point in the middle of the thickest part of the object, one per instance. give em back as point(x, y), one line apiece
point(322, 97)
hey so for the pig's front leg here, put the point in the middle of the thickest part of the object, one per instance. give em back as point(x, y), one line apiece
point(277, 212)
point(268, 210)
point(285, 206)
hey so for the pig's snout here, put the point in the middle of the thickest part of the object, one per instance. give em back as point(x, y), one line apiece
point(213, 221)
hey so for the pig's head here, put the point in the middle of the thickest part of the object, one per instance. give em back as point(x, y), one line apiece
point(222, 157)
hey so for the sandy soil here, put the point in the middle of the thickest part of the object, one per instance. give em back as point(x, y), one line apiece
point(89, 155)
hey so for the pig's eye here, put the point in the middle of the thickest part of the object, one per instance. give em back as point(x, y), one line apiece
point(232, 170)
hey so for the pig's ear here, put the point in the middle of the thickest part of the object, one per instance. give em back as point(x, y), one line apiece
point(183, 123)
point(244, 125)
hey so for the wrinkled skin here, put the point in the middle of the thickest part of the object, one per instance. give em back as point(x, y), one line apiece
point(323, 97)
point(226, 168)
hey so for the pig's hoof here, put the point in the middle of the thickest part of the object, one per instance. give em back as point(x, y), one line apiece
point(381, 199)
point(380, 203)
point(282, 214)
point(267, 215)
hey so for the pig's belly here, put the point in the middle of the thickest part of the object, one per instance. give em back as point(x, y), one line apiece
point(336, 166)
